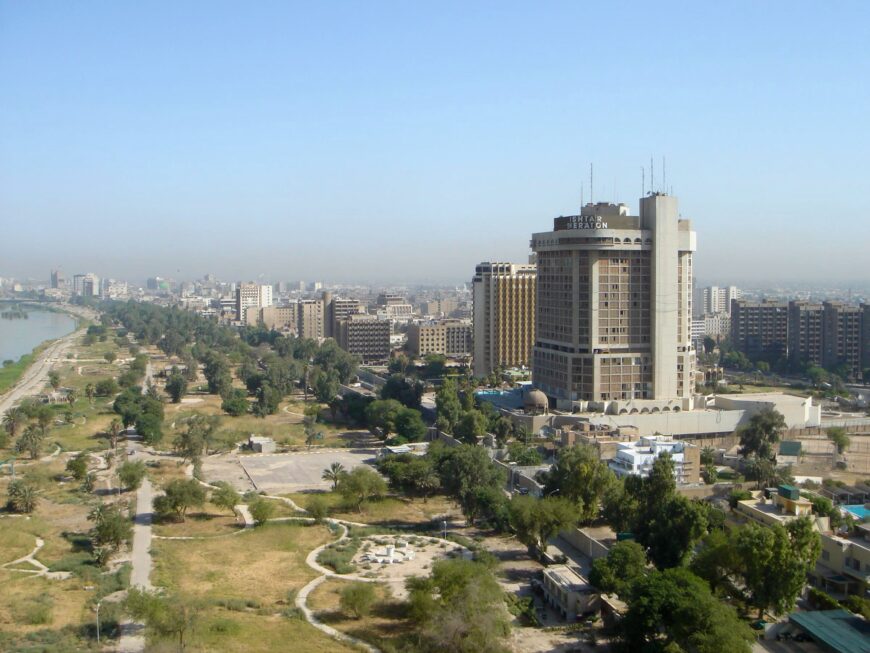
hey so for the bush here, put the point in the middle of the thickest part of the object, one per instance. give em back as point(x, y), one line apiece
point(317, 508)
point(821, 601)
point(262, 510)
point(357, 599)
point(338, 556)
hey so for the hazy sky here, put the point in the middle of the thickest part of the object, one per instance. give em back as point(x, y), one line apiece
point(397, 141)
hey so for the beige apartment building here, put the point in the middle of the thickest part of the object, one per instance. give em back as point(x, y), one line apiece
point(310, 319)
point(451, 338)
point(366, 336)
point(504, 315)
point(614, 307)
point(280, 317)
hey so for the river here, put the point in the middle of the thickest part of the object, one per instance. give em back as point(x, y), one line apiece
point(19, 337)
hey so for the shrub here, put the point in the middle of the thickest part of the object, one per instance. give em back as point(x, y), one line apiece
point(317, 508)
point(262, 510)
point(357, 599)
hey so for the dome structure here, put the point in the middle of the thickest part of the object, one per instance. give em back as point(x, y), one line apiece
point(535, 401)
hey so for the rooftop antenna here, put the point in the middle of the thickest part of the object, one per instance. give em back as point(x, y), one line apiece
point(664, 174)
point(642, 181)
point(652, 176)
point(581, 198)
point(591, 186)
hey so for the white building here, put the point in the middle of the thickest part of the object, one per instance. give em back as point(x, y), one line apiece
point(251, 295)
point(637, 458)
point(86, 285)
point(716, 299)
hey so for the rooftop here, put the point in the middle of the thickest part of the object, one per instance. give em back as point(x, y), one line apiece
point(836, 630)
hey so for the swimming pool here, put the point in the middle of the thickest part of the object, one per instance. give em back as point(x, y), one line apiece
point(858, 510)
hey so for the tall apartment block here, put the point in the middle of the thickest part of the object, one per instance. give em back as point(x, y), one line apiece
point(716, 299)
point(503, 315)
point(310, 315)
point(842, 338)
point(614, 306)
point(252, 295)
point(760, 329)
point(335, 310)
point(365, 336)
point(805, 333)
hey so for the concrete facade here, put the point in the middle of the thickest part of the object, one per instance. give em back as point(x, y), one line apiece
point(504, 315)
point(452, 338)
point(614, 305)
point(365, 336)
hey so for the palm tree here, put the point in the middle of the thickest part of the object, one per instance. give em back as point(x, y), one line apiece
point(333, 474)
point(71, 397)
point(13, 419)
point(31, 440)
point(90, 392)
point(114, 432)
point(22, 496)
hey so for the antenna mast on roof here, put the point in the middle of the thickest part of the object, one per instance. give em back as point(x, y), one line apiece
point(642, 181)
point(581, 199)
point(652, 176)
point(664, 174)
point(591, 185)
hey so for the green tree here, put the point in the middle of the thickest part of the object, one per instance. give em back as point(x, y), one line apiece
point(360, 485)
point(114, 432)
point(460, 608)
point(261, 510)
point(467, 473)
point(90, 393)
point(166, 616)
point(448, 405)
point(674, 610)
point(317, 508)
point(176, 386)
point(225, 496)
point(131, 474)
point(13, 420)
point(537, 520)
point(110, 357)
point(760, 435)
point(405, 390)
point(382, 415)
point(523, 455)
point(326, 386)
point(31, 441)
point(235, 402)
point(104, 388)
point(409, 425)
point(471, 426)
point(54, 380)
point(837, 435)
point(78, 466)
point(21, 496)
point(180, 495)
point(357, 599)
point(196, 437)
point(333, 474)
point(624, 564)
point(150, 427)
point(580, 475)
point(677, 527)
point(268, 401)
point(111, 529)
point(775, 561)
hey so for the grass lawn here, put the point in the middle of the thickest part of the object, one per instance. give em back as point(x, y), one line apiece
point(385, 623)
point(243, 583)
point(388, 511)
point(208, 521)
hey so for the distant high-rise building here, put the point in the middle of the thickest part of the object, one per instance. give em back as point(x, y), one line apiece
point(86, 285)
point(842, 339)
point(310, 316)
point(57, 279)
point(806, 333)
point(718, 299)
point(504, 315)
point(336, 309)
point(614, 305)
point(251, 295)
point(760, 329)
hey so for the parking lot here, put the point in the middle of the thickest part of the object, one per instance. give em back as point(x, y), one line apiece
point(296, 472)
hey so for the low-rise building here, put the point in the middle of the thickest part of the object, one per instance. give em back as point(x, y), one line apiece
point(784, 505)
point(844, 564)
point(637, 458)
point(452, 338)
point(261, 444)
point(568, 592)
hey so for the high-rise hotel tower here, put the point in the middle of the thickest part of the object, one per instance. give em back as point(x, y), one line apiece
point(613, 327)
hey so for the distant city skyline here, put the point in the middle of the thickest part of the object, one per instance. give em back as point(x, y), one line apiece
point(405, 144)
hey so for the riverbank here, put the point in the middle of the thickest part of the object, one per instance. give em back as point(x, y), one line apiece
point(32, 369)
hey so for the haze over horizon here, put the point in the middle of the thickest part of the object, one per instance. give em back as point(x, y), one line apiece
point(391, 142)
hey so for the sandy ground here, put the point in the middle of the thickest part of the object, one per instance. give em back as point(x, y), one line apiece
point(296, 472)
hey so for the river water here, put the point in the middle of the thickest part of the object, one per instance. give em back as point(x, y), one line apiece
point(19, 337)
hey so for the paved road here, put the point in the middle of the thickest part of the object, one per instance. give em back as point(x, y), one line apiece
point(132, 634)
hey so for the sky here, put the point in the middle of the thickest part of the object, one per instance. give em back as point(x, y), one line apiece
point(405, 142)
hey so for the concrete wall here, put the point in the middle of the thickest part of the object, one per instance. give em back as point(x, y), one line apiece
point(584, 543)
